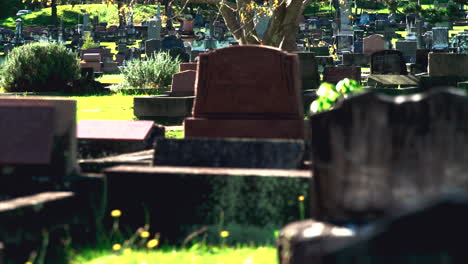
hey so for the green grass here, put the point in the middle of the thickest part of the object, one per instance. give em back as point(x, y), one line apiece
point(212, 255)
point(110, 78)
point(105, 107)
point(175, 133)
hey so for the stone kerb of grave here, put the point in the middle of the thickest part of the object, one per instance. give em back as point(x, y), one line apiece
point(247, 91)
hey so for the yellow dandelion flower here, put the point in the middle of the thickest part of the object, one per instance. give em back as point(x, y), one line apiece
point(276, 3)
point(152, 243)
point(116, 213)
point(144, 234)
point(301, 198)
point(116, 247)
point(127, 251)
point(28, 262)
point(224, 234)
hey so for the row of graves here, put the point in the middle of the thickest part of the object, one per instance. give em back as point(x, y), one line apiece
point(384, 177)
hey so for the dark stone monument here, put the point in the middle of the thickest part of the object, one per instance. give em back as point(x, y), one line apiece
point(309, 70)
point(388, 62)
point(336, 74)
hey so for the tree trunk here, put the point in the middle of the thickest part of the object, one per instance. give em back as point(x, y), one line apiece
point(120, 5)
point(53, 5)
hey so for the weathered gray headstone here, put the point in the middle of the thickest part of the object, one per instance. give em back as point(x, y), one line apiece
point(440, 38)
point(448, 64)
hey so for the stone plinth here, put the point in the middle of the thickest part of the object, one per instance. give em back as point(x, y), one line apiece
point(242, 90)
point(162, 106)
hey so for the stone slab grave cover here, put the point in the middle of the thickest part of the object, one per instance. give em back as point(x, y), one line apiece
point(336, 74)
point(392, 81)
point(247, 91)
point(224, 152)
point(98, 137)
point(388, 62)
point(372, 44)
point(448, 64)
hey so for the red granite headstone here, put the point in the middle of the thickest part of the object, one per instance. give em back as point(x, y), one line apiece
point(26, 134)
point(114, 130)
point(247, 91)
point(336, 74)
point(183, 83)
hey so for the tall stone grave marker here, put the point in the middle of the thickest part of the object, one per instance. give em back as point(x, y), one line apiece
point(247, 91)
point(345, 12)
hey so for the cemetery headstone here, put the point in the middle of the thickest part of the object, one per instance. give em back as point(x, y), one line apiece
point(462, 47)
point(183, 83)
point(170, 42)
point(309, 70)
point(440, 38)
point(151, 46)
point(232, 88)
point(199, 18)
point(86, 21)
point(408, 48)
point(336, 74)
point(448, 64)
point(372, 44)
point(262, 25)
point(408, 147)
point(154, 26)
point(388, 62)
point(344, 43)
point(345, 13)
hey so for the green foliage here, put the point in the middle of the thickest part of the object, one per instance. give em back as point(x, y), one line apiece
point(412, 8)
point(328, 94)
point(89, 42)
point(392, 5)
point(312, 9)
point(73, 15)
point(40, 67)
point(155, 72)
point(453, 11)
point(433, 15)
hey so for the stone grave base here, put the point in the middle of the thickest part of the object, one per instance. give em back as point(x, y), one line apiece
point(392, 81)
point(140, 158)
point(162, 106)
point(180, 199)
point(199, 127)
point(23, 221)
point(428, 82)
point(393, 91)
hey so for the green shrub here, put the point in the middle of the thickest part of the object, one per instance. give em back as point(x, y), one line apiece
point(155, 72)
point(89, 42)
point(328, 94)
point(40, 67)
point(433, 15)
